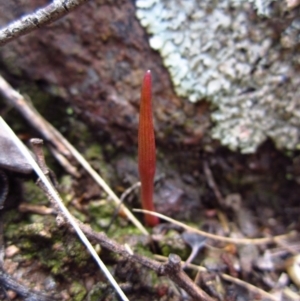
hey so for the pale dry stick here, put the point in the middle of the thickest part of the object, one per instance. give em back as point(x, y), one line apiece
point(46, 15)
point(249, 287)
point(227, 277)
point(237, 241)
point(62, 207)
point(15, 99)
point(38, 209)
point(51, 134)
point(65, 163)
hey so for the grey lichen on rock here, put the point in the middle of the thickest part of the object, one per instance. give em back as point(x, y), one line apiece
point(223, 52)
point(263, 7)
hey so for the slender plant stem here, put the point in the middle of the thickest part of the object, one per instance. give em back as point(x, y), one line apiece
point(238, 241)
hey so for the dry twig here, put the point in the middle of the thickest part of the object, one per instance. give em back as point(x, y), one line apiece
point(250, 287)
point(38, 209)
point(43, 16)
point(238, 241)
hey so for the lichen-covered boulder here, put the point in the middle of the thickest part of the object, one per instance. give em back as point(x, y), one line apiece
point(244, 64)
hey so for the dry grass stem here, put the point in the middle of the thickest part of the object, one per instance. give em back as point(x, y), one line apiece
point(46, 15)
point(237, 241)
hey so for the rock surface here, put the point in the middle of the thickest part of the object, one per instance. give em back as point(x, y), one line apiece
point(244, 64)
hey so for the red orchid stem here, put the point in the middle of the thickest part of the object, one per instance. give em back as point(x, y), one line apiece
point(146, 150)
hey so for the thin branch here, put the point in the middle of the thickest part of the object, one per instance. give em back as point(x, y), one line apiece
point(37, 209)
point(237, 241)
point(250, 287)
point(15, 99)
point(43, 16)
